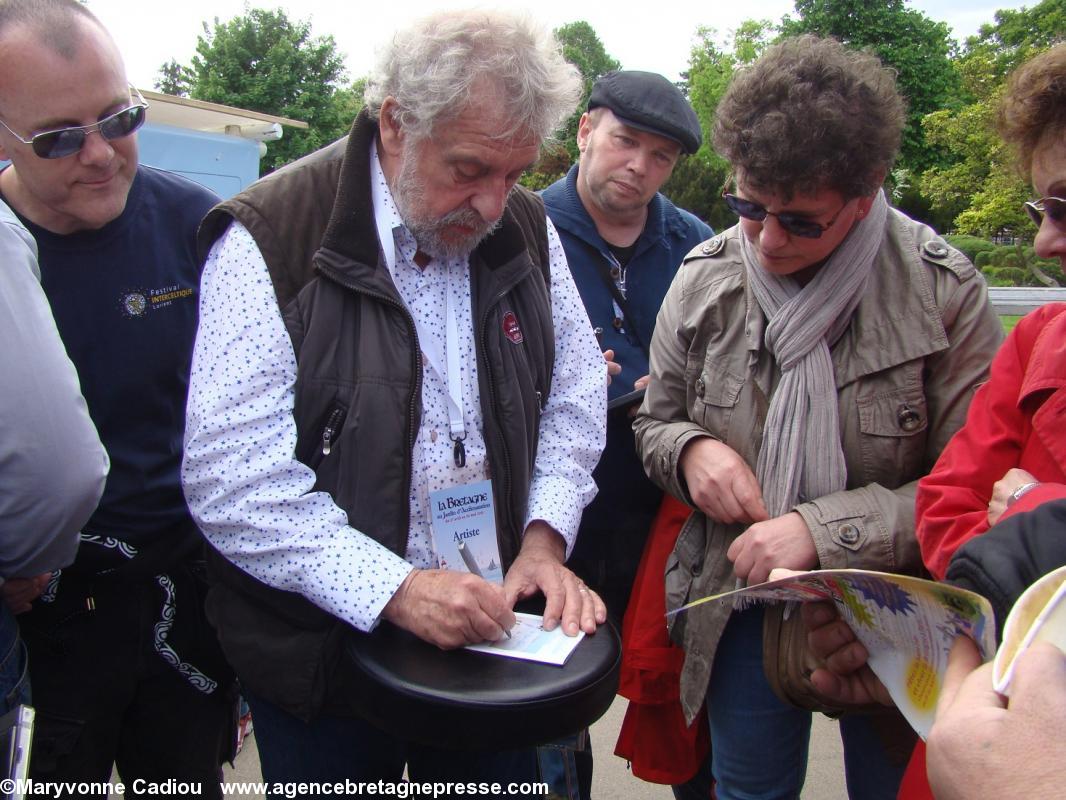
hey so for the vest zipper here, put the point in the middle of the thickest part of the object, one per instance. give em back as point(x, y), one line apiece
point(416, 389)
point(331, 430)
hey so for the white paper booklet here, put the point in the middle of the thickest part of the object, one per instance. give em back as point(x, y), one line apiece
point(1039, 615)
point(532, 643)
point(907, 624)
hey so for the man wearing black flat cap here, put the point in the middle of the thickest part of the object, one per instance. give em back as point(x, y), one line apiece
point(624, 242)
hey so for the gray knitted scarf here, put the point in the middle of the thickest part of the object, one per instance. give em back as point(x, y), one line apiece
point(801, 456)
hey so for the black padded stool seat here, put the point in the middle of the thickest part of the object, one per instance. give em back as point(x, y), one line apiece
point(463, 700)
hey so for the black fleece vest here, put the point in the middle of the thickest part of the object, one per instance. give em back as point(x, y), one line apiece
point(359, 384)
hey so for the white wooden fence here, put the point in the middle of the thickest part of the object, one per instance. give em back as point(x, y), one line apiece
point(1008, 300)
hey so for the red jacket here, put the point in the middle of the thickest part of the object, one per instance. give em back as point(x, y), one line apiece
point(654, 738)
point(1016, 419)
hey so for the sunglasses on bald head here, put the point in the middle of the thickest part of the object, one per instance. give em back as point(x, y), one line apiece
point(795, 224)
point(1054, 207)
point(63, 142)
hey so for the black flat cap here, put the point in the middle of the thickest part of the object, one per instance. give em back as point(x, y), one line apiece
point(649, 102)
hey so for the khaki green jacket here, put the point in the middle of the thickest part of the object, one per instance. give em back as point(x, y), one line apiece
point(918, 345)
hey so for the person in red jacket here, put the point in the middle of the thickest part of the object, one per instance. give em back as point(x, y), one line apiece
point(1011, 450)
point(1010, 456)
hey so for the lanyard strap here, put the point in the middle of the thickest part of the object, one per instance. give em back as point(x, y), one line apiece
point(452, 375)
point(617, 295)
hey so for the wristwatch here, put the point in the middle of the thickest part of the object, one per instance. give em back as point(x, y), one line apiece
point(1020, 492)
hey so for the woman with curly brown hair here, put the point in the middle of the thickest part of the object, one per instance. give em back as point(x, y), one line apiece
point(808, 366)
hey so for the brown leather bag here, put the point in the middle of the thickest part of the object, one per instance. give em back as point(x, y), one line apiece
point(788, 662)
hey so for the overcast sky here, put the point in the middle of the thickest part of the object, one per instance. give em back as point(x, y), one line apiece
point(652, 36)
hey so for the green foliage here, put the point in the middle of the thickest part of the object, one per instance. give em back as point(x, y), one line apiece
point(264, 62)
point(174, 79)
point(582, 48)
point(971, 246)
point(697, 180)
point(1010, 265)
point(1006, 276)
point(695, 186)
point(711, 68)
point(1017, 35)
point(979, 186)
point(1008, 321)
point(917, 47)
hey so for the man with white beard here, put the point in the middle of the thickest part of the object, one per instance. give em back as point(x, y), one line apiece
point(387, 318)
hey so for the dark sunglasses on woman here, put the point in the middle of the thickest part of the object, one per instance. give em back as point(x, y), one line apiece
point(1054, 207)
point(795, 224)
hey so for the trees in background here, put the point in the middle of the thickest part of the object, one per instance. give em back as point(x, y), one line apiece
point(953, 172)
point(582, 48)
point(697, 181)
point(263, 61)
point(977, 188)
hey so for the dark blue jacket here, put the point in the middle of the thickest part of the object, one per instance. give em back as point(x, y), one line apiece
point(669, 234)
point(616, 523)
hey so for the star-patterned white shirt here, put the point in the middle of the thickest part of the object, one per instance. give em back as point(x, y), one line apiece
point(255, 502)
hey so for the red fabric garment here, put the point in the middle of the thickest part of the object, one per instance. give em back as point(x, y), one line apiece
point(915, 783)
point(1016, 419)
point(654, 738)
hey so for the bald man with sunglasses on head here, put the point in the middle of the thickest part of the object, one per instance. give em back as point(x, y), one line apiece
point(124, 668)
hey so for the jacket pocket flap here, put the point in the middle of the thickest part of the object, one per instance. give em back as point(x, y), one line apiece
point(898, 413)
point(716, 386)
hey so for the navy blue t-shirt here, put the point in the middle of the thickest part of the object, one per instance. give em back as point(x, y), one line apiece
point(125, 299)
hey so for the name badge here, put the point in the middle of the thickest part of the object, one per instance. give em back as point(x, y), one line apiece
point(464, 530)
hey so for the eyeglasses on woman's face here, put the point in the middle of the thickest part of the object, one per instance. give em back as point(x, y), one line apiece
point(795, 224)
point(1053, 207)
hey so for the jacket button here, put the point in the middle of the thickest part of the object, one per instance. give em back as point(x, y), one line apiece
point(908, 419)
point(697, 569)
point(935, 249)
point(701, 387)
point(665, 463)
point(617, 323)
point(616, 273)
point(713, 247)
point(847, 533)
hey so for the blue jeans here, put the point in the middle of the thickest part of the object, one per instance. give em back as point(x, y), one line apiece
point(14, 673)
point(335, 749)
point(760, 743)
point(566, 766)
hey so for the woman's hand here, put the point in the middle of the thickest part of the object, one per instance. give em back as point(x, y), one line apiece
point(1003, 489)
point(846, 677)
point(781, 542)
point(720, 483)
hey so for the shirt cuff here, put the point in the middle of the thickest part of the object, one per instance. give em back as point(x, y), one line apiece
point(394, 573)
point(557, 502)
